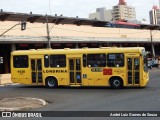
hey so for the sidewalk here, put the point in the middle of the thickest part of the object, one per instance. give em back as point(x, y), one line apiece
point(21, 103)
point(5, 79)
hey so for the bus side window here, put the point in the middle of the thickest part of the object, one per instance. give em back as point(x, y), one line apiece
point(46, 60)
point(84, 60)
point(115, 60)
point(57, 61)
point(20, 61)
point(96, 60)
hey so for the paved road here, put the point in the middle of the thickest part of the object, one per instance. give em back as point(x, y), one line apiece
point(92, 99)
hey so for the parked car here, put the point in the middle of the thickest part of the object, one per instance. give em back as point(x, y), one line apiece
point(152, 63)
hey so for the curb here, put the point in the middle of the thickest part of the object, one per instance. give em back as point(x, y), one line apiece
point(154, 70)
point(24, 107)
point(5, 79)
point(9, 84)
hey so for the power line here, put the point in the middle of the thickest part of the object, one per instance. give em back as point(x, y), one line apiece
point(53, 25)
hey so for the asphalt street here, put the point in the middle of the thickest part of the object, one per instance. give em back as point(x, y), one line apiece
point(92, 99)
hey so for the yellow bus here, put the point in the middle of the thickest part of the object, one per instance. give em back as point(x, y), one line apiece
point(105, 66)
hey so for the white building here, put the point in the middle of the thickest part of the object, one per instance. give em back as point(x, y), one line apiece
point(102, 14)
point(155, 16)
point(119, 12)
point(123, 12)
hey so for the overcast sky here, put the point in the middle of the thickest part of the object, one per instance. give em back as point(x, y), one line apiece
point(73, 8)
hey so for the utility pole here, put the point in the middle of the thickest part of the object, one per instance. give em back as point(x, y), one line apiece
point(152, 45)
point(152, 55)
point(48, 36)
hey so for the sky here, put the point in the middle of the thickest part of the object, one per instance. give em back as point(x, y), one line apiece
point(73, 8)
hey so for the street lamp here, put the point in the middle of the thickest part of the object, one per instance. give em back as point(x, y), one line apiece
point(23, 27)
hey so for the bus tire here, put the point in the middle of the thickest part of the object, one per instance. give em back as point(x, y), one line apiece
point(51, 82)
point(116, 83)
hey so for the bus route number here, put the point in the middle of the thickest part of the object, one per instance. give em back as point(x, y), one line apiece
point(21, 71)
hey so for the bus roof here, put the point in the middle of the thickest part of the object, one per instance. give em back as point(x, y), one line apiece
point(78, 51)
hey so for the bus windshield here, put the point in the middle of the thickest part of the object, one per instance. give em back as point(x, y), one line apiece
point(145, 61)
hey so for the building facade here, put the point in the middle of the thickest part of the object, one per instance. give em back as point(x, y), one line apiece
point(119, 12)
point(123, 12)
point(102, 14)
point(155, 16)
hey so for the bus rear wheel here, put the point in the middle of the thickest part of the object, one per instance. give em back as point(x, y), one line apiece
point(116, 83)
point(51, 82)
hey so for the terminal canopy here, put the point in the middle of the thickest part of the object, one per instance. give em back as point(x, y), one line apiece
point(11, 16)
point(150, 27)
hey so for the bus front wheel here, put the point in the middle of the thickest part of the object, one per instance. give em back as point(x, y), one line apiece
point(51, 82)
point(116, 83)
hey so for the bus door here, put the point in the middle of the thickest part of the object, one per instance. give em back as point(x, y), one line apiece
point(75, 71)
point(133, 70)
point(36, 71)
